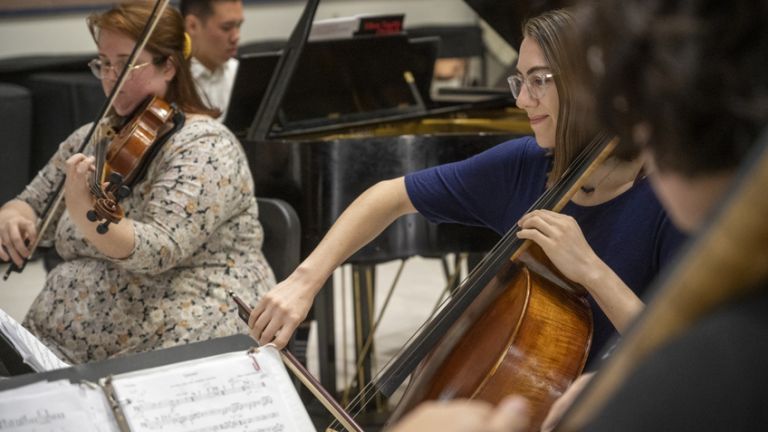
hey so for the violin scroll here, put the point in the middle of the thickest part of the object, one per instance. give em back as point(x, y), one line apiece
point(107, 208)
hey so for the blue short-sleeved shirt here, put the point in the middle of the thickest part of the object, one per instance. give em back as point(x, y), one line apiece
point(630, 233)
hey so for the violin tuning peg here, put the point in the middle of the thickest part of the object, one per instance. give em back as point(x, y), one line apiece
point(92, 216)
point(122, 192)
point(115, 179)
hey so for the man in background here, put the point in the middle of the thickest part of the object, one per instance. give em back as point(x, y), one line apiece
point(214, 27)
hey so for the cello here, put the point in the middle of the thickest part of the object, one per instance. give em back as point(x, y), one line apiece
point(515, 325)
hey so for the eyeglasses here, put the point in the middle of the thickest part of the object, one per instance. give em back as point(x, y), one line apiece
point(101, 70)
point(536, 83)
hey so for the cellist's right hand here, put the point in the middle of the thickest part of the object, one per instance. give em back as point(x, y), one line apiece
point(280, 311)
point(17, 231)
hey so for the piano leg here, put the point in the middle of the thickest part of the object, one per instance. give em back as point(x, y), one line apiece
point(363, 299)
point(326, 340)
point(364, 315)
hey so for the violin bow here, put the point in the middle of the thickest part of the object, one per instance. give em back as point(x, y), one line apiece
point(52, 206)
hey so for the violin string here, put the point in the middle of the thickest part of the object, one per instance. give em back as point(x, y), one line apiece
point(95, 143)
point(100, 146)
point(490, 262)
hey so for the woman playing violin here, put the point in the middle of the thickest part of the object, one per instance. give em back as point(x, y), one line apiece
point(160, 276)
point(612, 238)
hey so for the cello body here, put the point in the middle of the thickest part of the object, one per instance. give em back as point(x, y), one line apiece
point(516, 325)
point(533, 340)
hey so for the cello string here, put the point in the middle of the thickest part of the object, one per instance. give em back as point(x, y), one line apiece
point(500, 252)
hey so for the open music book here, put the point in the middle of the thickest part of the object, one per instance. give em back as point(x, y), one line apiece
point(29, 348)
point(238, 391)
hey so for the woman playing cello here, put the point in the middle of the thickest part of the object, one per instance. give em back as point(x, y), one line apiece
point(612, 238)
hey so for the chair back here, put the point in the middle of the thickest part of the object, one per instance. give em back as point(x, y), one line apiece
point(282, 235)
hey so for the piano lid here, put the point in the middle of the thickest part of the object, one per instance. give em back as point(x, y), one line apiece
point(373, 78)
point(283, 73)
point(343, 80)
point(507, 16)
point(319, 83)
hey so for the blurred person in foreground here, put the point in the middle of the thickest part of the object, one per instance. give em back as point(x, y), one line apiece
point(687, 83)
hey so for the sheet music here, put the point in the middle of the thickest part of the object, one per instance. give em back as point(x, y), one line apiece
point(58, 405)
point(230, 392)
point(32, 351)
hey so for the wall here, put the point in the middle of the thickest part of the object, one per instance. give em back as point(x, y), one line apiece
point(67, 33)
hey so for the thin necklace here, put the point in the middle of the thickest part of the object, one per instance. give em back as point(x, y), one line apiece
point(590, 189)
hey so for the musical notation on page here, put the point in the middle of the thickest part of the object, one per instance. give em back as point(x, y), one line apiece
point(236, 391)
point(56, 406)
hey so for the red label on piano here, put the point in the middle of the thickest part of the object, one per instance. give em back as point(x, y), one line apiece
point(381, 25)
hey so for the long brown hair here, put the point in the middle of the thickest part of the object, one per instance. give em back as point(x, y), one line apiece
point(166, 42)
point(556, 34)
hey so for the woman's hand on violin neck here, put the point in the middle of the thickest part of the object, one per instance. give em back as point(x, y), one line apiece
point(77, 194)
point(17, 231)
point(116, 243)
point(280, 311)
point(561, 239)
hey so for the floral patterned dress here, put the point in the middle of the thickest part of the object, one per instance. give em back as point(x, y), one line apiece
point(197, 235)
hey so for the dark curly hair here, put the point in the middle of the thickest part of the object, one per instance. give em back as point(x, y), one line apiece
point(694, 71)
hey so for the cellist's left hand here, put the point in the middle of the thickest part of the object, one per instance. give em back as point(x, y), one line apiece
point(560, 237)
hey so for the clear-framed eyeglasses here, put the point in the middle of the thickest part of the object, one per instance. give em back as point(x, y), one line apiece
point(536, 83)
point(101, 70)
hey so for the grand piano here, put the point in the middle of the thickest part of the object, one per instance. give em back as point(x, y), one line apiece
point(323, 133)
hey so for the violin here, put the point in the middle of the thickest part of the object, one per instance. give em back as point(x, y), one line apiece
point(52, 206)
point(123, 161)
